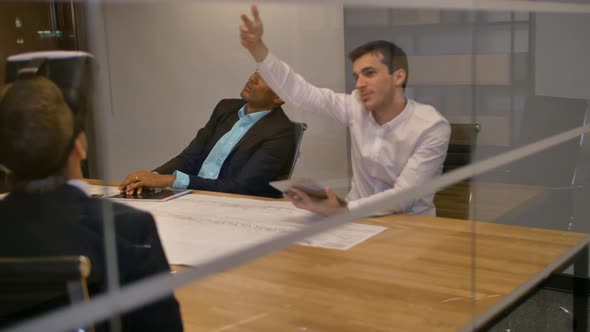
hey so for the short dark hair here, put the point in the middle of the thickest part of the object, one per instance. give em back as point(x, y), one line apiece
point(36, 129)
point(394, 56)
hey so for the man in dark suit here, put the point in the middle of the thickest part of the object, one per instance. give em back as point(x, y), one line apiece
point(245, 144)
point(48, 213)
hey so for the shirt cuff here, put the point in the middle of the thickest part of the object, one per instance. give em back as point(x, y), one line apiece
point(358, 203)
point(182, 180)
point(352, 205)
point(267, 62)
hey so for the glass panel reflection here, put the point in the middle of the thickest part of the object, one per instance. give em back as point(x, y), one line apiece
point(502, 79)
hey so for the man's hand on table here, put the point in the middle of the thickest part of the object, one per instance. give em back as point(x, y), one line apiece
point(135, 182)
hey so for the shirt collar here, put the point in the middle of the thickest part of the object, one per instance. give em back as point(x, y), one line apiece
point(252, 116)
point(400, 118)
point(80, 184)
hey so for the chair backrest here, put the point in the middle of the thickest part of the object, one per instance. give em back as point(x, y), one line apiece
point(30, 286)
point(455, 201)
point(461, 145)
point(72, 72)
point(3, 182)
point(299, 128)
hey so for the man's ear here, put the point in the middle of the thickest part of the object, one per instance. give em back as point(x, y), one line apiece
point(399, 76)
point(81, 146)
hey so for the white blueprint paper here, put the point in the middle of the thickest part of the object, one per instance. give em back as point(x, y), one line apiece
point(196, 228)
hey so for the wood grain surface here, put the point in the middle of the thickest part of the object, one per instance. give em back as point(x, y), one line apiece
point(421, 274)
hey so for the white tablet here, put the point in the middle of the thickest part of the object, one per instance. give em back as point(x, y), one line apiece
point(308, 186)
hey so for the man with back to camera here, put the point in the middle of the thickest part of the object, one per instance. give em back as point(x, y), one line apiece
point(48, 212)
point(396, 142)
point(245, 144)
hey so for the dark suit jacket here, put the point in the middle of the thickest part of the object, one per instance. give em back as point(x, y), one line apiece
point(264, 154)
point(67, 222)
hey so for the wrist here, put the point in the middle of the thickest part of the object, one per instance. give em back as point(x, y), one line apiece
point(334, 211)
point(168, 180)
point(260, 52)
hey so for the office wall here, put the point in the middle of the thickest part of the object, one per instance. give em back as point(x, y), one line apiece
point(561, 56)
point(169, 64)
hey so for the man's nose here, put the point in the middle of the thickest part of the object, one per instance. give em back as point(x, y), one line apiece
point(360, 82)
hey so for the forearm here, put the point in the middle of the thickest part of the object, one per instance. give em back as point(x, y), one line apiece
point(302, 95)
point(260, 52)
point(384, 208)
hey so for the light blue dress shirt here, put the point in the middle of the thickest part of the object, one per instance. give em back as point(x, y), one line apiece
point(212, 165)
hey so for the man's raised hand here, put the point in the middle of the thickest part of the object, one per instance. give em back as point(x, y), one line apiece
point(251, 31)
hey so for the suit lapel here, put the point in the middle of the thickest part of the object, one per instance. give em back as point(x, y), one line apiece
point(260, 128)
point(227, 120)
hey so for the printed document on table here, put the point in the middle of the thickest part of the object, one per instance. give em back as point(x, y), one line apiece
point(197, 228)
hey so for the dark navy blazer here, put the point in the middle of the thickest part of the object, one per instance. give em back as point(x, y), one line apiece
point(264, 154)
point(68, 222)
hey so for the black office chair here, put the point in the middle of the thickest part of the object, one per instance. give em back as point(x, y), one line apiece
point(72, 72)
point(299, 128)
point(455, 201)
point(30, 286)
point(461, 145)
point(3, 182)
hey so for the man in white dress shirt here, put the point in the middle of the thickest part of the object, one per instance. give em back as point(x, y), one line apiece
point(396, 142)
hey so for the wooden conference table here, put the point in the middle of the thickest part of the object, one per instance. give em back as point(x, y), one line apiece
point(421, 274)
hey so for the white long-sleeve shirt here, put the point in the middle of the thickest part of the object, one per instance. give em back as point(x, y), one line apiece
point(405, 152)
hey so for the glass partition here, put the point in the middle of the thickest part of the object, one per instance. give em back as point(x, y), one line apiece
point(465, 190)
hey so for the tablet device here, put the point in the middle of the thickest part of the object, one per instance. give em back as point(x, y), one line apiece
point(308, 186)
point(157, 194)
